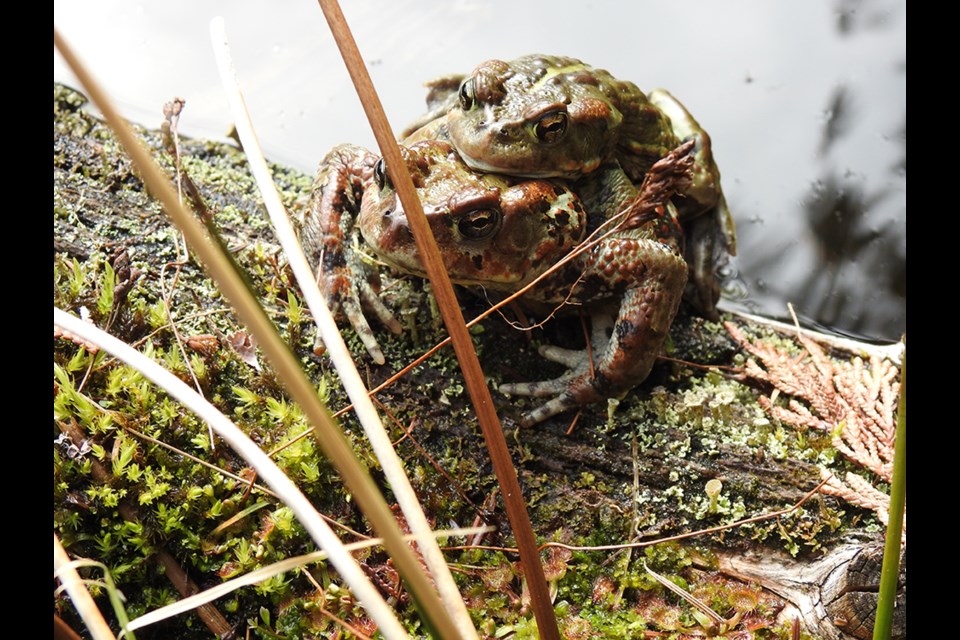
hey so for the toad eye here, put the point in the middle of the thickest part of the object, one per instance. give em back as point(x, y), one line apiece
point(466, 94)
point(551, 126)
point(479, 224)
point(380, 174)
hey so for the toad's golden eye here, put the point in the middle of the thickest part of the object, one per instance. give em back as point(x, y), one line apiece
point(479, 224)
point(551, 126)
point(380, 174)
point(466, 94)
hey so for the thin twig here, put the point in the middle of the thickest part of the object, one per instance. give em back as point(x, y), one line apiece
point(408, 435)
point(343, 623)
point(171, 112)
point(192, 458)
point(647, 543)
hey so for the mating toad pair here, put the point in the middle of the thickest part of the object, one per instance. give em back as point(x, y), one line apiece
point(515, 165)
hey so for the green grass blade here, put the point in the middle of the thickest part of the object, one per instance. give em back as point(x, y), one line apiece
point(898, 497)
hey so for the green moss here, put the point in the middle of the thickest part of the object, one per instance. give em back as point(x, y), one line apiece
point(176, 504)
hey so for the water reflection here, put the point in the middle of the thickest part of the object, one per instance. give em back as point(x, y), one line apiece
point(858, 273)
point(852, 257)
point(837, 118)
point(860, 14)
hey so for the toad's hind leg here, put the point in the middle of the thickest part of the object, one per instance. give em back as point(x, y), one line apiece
point(646, 313)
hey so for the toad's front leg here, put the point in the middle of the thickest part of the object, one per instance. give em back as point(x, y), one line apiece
point(329, 236)
point(647, 308)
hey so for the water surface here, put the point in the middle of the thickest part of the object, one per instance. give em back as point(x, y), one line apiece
point(805, 102)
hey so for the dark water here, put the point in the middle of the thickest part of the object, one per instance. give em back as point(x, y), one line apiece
point(846, 268)
point(805, 102)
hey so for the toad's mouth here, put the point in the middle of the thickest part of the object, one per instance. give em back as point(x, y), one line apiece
point(526, 169)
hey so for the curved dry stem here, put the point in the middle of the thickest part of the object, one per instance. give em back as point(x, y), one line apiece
point(330, 437)
point(275, 569)
point(248, 449)
point(82, 599)
point(336, 348)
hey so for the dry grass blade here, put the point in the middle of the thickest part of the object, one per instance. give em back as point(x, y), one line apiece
point(453, 320)
point(265, 573)
point(390, 461)
point(82, 600)
point(698, 604)
point(331, 439)
point(265, 467)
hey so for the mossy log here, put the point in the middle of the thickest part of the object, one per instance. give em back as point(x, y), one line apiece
point(634, 470)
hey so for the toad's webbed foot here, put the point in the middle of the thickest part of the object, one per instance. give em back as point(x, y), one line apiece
point(574, 388)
